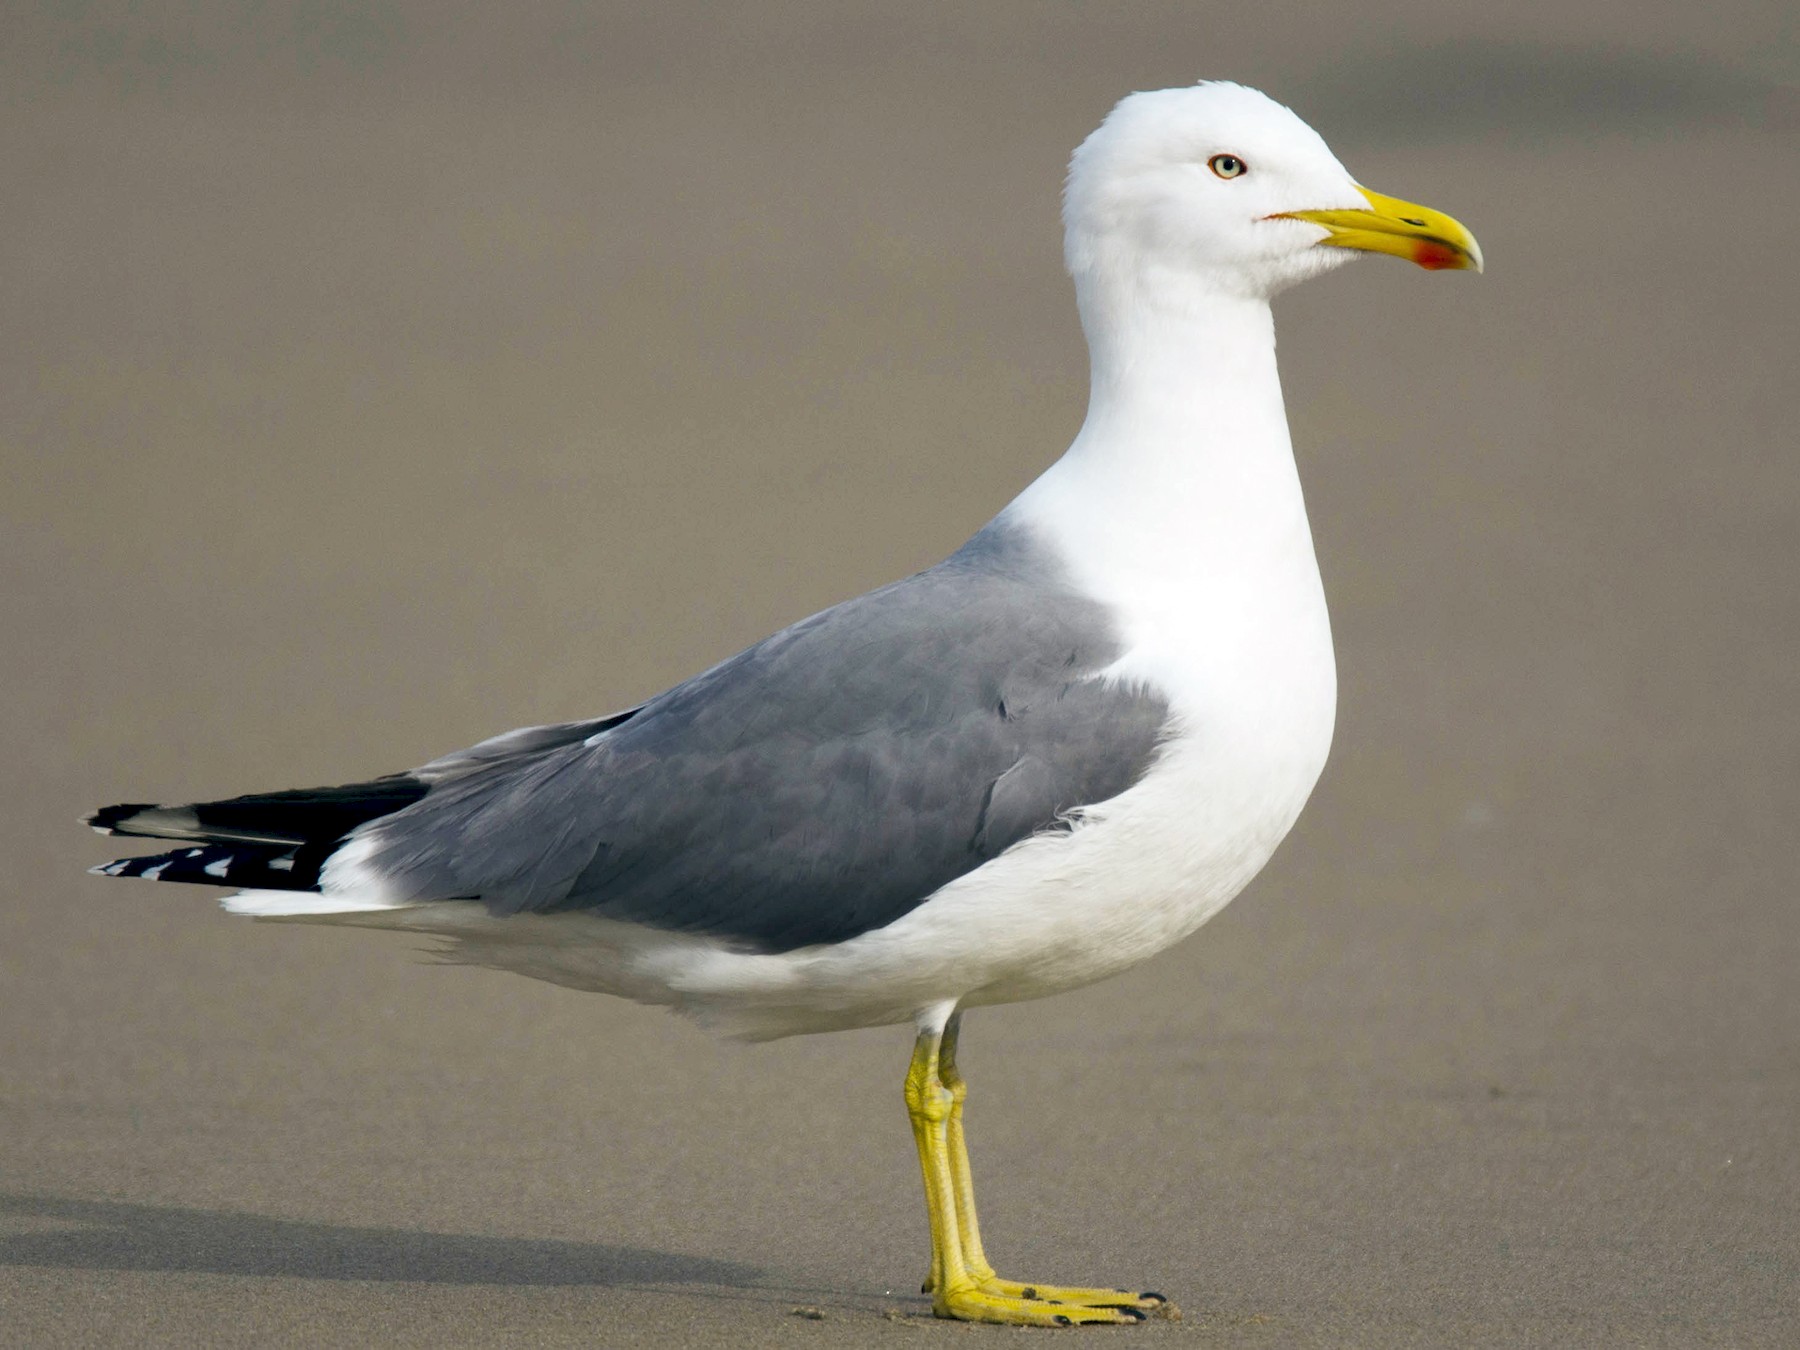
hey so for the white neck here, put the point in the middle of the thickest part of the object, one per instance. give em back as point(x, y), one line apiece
point(1181, 485)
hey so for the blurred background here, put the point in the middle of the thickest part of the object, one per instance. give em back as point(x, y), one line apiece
point(380, 376)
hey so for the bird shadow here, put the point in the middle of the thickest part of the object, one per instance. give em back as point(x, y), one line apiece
point(60, 1233)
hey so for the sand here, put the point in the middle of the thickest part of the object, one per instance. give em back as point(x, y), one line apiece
point(376, 382)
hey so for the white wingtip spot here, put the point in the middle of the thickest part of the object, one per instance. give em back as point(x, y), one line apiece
point(152, 873)
point(217, 868)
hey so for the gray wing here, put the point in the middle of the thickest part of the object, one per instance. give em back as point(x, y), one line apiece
point(816, 786)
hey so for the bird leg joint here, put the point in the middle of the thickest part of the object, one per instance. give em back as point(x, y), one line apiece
point(928, 1099)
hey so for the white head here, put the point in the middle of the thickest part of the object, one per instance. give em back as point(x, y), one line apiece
point(1220, 188)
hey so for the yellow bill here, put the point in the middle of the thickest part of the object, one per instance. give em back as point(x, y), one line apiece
point(1417, 233)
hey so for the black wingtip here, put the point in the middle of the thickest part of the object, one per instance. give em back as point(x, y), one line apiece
point(262, 867)
point(295, 817)
point(107, 818)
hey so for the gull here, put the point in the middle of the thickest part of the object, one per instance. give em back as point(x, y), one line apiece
point(1020, 771)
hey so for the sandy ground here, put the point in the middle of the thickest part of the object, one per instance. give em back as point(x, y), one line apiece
point(376, 380)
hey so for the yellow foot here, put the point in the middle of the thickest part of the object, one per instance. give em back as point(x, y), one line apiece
point(983, 1303)
point(1079, 1296)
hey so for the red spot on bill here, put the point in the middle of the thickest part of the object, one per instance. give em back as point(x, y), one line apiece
point(1433, 256)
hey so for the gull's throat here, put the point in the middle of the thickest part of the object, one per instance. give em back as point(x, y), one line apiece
point(1184, 459)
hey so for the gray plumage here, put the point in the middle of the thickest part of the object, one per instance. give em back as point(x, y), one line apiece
point(816, 786)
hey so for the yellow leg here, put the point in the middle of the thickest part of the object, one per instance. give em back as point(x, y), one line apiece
point(968, 1227)
point(962, 1283)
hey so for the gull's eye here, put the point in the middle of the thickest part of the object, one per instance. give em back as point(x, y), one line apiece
point(1227, 166)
